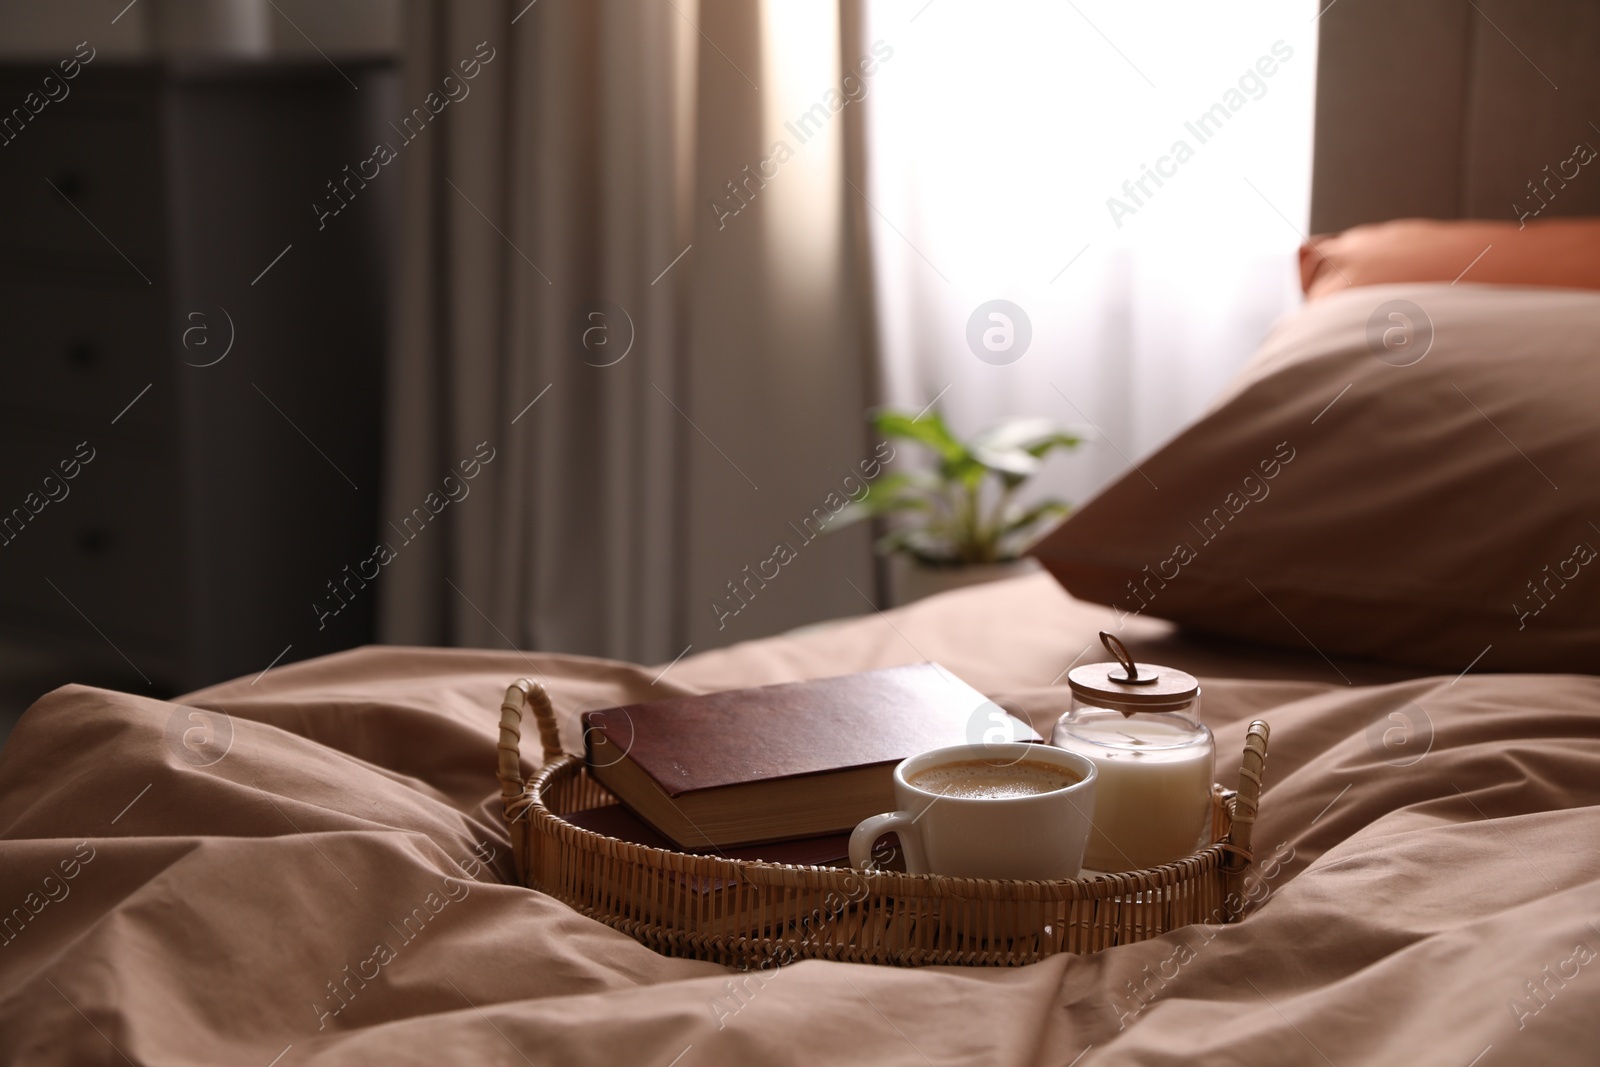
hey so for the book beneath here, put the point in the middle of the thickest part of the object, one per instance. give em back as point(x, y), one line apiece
point(780, 762)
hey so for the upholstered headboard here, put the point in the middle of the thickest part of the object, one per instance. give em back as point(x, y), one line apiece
point(1451, 108)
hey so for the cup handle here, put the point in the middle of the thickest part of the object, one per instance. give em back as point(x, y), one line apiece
point(903, 824)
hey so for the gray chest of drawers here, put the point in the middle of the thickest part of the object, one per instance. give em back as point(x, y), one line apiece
point(191, 368)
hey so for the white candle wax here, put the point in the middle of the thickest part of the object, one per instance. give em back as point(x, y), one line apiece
point(1153, 789)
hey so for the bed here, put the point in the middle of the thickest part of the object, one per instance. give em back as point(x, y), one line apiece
point(310, 865)
point(1422, 896)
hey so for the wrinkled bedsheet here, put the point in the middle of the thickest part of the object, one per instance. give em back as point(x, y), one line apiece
point(311, 868)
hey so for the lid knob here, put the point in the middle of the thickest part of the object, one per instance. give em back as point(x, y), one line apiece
point(1130, 670)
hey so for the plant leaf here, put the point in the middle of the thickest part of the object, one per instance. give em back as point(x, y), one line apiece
point(966, 472)
point(929, 430)
point(1056, 440)
point(874, 506)
point(1017, 462)
point(945, 524)
point(1042, 510)
point(1014, 447)
point(1020, 526)
point(904, 481)
point(892, 494)
point(1016, 433)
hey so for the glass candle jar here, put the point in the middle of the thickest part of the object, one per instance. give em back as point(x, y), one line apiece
point(1139, 723)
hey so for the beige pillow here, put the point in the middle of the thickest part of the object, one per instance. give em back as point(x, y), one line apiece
point(1403, 472)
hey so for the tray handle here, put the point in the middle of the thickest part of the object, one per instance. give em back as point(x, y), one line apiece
point(1247, 802)
point(524, 693)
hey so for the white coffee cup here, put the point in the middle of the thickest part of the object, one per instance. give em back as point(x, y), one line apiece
point(1039, 836)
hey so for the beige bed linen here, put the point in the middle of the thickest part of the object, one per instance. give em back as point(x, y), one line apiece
point(1404, 906)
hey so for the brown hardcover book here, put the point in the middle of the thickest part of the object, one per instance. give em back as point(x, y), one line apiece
point(781, 761)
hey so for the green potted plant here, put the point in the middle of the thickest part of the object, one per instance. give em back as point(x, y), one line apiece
point(959, 523)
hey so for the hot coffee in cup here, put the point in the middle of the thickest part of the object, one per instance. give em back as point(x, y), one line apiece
point(981, 779)
point(1011, 810)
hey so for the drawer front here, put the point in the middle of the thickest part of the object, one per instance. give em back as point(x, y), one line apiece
point(109, 541)
point(88, 352)
point(85, 187)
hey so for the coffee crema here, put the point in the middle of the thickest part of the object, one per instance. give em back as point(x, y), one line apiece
point(978, 779)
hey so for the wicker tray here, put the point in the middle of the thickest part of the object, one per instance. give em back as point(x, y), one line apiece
point(749, 914)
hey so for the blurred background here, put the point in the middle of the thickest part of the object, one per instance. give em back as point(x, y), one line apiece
point(155, 158)
point(556, 326)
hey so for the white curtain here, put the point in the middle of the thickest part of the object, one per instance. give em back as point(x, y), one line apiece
point(998, 135)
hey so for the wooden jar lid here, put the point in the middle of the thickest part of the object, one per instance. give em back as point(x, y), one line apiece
point(1128, 686)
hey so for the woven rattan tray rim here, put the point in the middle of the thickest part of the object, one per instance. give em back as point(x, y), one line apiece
point(527, 813)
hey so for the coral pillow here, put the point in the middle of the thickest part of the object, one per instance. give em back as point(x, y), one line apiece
point(1559, 253)
point(1405, 473)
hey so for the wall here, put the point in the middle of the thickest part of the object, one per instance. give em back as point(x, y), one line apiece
point(1441, 109)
